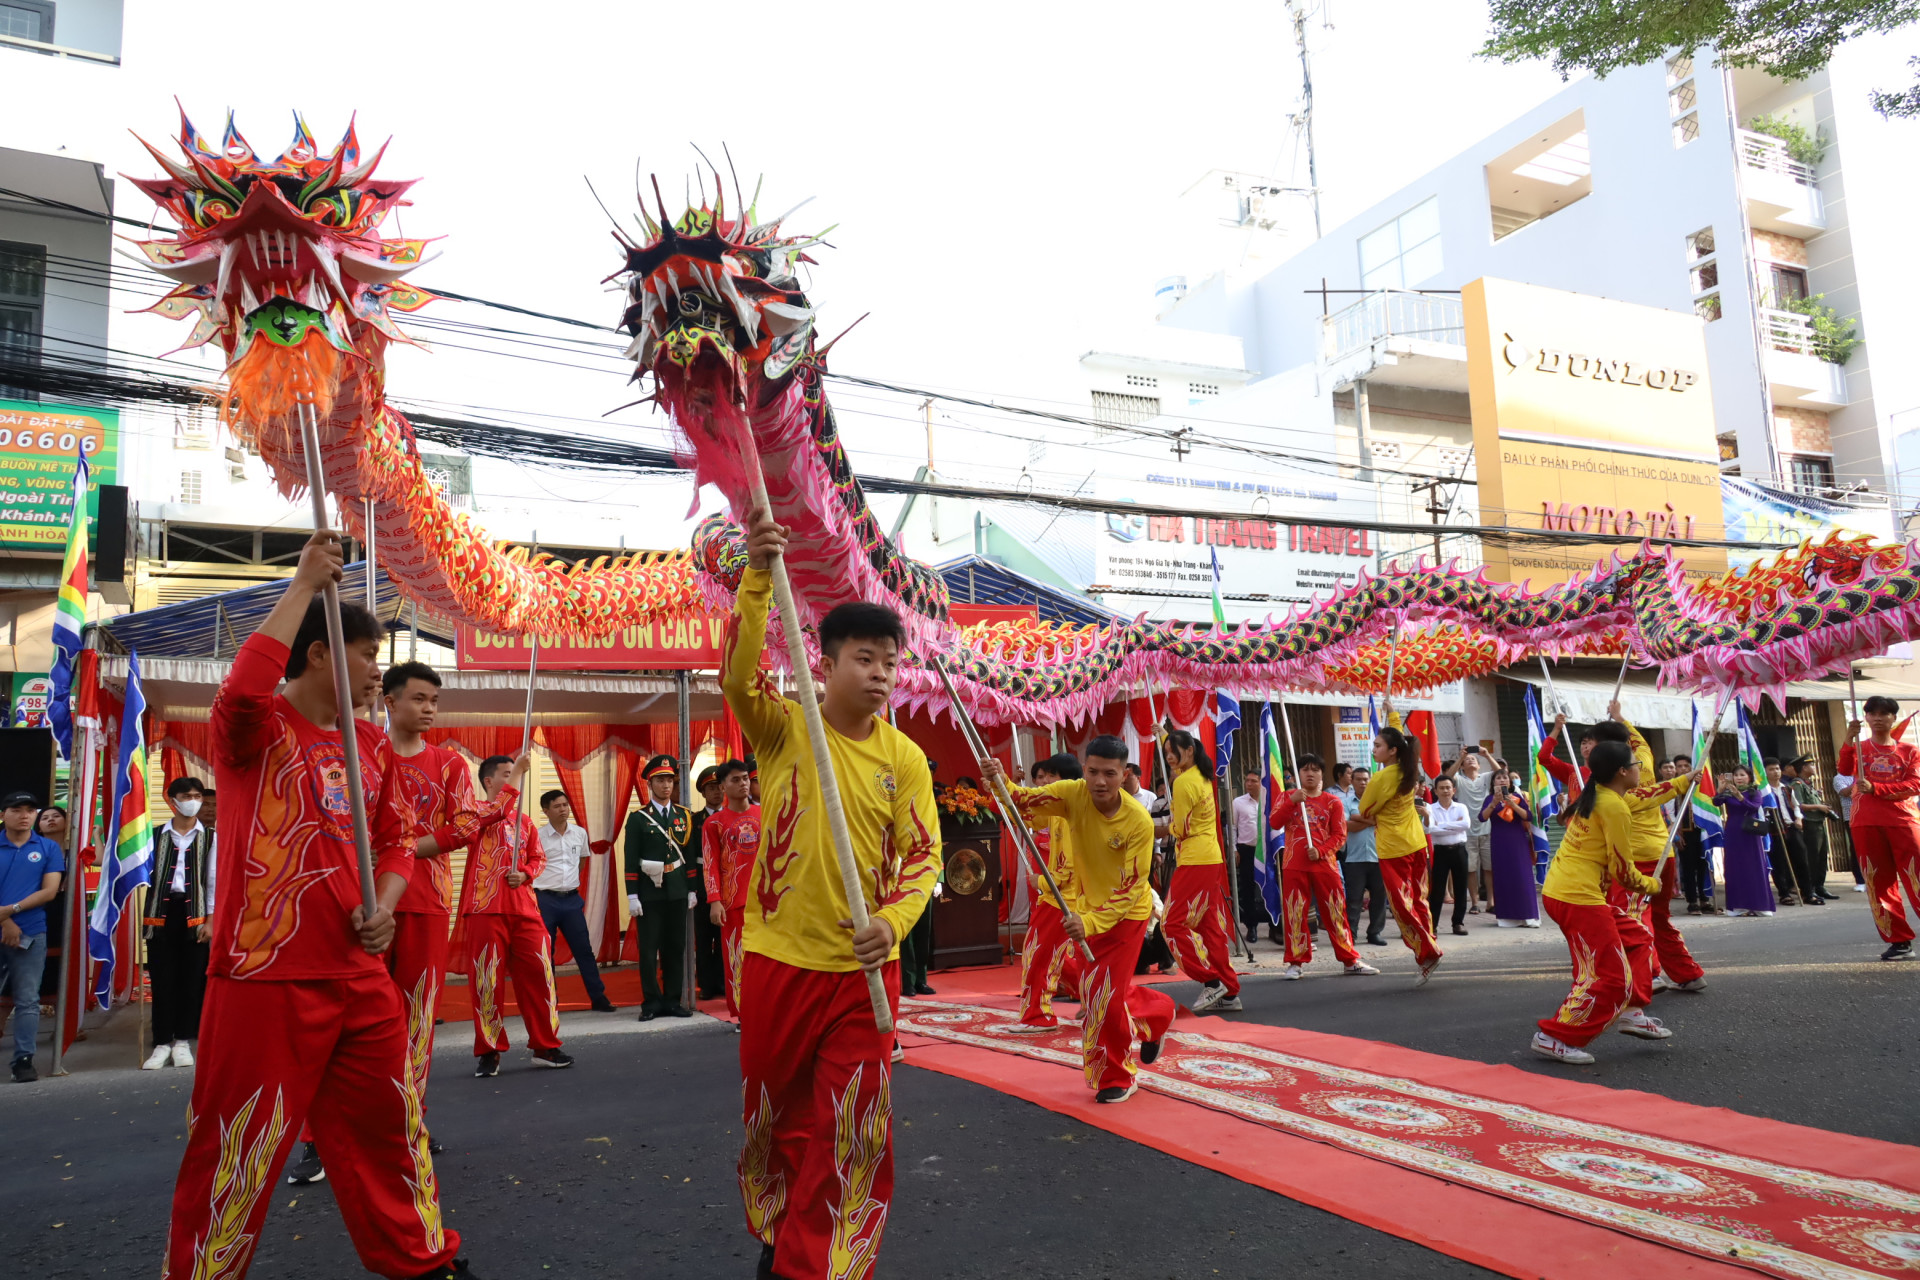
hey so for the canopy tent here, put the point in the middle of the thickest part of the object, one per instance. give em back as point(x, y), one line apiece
point(1586, 692)
point(978, 580)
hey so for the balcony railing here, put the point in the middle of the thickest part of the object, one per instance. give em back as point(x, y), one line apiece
point(1769, 155)
point(1392, 313)
point(1789, 331)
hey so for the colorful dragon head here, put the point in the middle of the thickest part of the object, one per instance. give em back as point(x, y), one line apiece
point(282, 261)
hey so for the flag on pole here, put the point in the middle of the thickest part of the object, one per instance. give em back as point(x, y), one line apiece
point(1707, 818)
point(1226, 723)
point(1273, 771)
point(69, 613)
point(1755, 763)
point(1373, 716)
point(1543, 793)
point(127, 862)
point(1219, 610)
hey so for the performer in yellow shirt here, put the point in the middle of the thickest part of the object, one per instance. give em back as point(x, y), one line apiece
point(1400, 840)
point(1050, 960)
point(816, 1161)
point(1197, 925)
point(1595, 856)
point(1112, 856)
point(1667, 950)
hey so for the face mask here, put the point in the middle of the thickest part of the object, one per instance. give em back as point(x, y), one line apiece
point(187, 808)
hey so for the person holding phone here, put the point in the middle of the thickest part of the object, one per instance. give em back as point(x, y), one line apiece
point(1509, 819)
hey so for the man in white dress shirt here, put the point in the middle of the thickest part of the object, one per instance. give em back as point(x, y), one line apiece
point(177, 925)
point(1246, 843)
point(557, 890)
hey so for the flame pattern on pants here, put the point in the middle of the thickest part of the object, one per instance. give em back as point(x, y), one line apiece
point(1196, 925)
point(519, 946)
point(1049, 959)
point(1406, 881)
point(1321, 885)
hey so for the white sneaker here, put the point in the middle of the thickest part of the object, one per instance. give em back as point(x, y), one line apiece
point(1559, 1051)
point(1660, 983)
point(1859, 888)
point(158, 1058)
point(1359, 967)
point(1292, 973)
point(1210, 995)
point(1530, 924)
point(1230, 1005)
point(1696, 984)
point(1426, 971)
point(182, 1055)
point(1636, 1022)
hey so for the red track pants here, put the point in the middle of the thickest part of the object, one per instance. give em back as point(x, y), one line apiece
point(1889, 858)
point(1307, 884)
point(274, 1055)
point(1048, 959)
point(1406, 881)
point(1636, 939)
point(1670, 953)
point(418, 962)
point(1600, 972)
point(731, 953)
point(1114, 1012)
point(816, 1163)
point(501, 946)
point(1196, 924)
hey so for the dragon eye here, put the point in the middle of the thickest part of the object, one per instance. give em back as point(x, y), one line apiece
point(690, 303)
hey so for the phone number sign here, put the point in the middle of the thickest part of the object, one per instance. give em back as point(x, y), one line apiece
point(38, 444)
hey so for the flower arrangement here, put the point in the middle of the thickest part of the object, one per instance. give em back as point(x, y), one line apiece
point(963, 802)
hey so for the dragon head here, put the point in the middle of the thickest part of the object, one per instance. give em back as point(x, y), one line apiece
point(714, 307)
point(281, 260)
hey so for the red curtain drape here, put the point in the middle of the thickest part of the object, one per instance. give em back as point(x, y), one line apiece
point(626, 773)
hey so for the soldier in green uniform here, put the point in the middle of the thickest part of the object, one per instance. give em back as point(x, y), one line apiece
point(659, 894)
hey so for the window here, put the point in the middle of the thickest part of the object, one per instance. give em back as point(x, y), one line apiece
point(23, 274)
point(1703, 274)
point(27, 20)
point(1203, 389)
point(1385, 450)
point(1811, 474)
point(190, 488)
point(1683, 99)
point(1405, 252)
point(1143, 380)
point(1551, 171)
point(1117, 410)
point(1789, 285)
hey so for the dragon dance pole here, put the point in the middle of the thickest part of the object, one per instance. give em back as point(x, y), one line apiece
point(1719, 713)
point(1393, 657)
point(526, 735)
point(373, 712)
point(1853, 703)
point(809, 700)
point(1573, 758)
point(1002, 797)
point(1620, 681)
point(337, 650)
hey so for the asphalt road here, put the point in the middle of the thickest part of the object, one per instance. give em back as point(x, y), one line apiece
point(624, 1165)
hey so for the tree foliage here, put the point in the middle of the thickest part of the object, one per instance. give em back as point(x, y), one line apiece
point(1791, 39)
point(1904, 104)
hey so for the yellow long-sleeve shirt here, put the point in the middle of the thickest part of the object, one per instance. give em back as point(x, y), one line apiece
point(1112, 856)
point(1060, 863)
point(797, 899)
point(1649, 824)
point(1597, 850)
point(1397, 831)
point(1196, 820)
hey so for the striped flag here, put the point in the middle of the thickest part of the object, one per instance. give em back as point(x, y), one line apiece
point(1754, 761)
point(1707, 818)
point(1219, 609)
point(1273, 771)
point(70, 612)
point(1543, 792)
point(1226, 723)
point(128, 863)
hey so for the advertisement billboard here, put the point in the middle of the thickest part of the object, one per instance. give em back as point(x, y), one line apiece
point(1589, 416)
point(689, 644)
point(38, 443)
point(1757, 513)
point(1164, 563)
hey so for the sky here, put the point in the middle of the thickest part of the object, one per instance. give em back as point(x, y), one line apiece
point(1003, 180)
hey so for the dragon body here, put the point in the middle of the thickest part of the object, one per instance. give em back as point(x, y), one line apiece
point(281, 262)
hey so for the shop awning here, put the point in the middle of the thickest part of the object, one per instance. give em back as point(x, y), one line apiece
point(1586, 695)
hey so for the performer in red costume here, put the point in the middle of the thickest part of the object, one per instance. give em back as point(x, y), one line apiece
point(1049, 960)
point(1197, 927)
point(440, 786)
point(302, 1021)
point(1315, 823)
point(730, 840)
point(1886, 830)
point(505, 936)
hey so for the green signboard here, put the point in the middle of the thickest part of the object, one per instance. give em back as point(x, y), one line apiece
point(38, 443)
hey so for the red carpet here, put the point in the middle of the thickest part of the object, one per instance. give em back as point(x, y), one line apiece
point(1526, 1175)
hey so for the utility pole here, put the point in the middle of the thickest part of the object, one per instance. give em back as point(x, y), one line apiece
point(1305, 118)
point(1435, 508)
point(933, 503)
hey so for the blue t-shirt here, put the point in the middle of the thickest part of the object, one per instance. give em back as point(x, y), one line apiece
point(1359, 843)
point(21, 866)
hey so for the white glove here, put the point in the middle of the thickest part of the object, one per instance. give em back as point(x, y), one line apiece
point(633, 906)
point(654, 871)
point(938, 888)
point(1159, 907)
point(693, 900)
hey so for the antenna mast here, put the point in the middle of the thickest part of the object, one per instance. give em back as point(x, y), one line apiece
point(1305, 119)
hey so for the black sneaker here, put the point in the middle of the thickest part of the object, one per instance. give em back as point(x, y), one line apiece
point(604, 1005)
point(678, 1011)
point(433, 1146)
point(1376, 942)
point(487, 1064)
point(1114, 1093)
point(553, 1058)
point(455, 1270)
point(765, 1270)
point(1898, 951)
point(1149, 1050)
point(23, 1072)
point(307, 1168)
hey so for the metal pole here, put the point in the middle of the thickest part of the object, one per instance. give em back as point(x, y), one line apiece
point(1573, 757)
point(413, 631)
point(1853, 703)
point(337, 650)
point(1620, 681)
point(73, 931)
point(1393, 659)
point(683, 689)
point(526, 736)
point(1719, 713)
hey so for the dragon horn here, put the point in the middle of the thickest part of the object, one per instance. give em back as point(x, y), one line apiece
point(741, 215)
point(189, 136)
point(302, 140)
point(231, 141)
point(646, 219)
point(348, 150)
point(659, 199)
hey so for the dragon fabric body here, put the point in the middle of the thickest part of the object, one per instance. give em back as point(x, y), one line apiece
point(281, 262)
